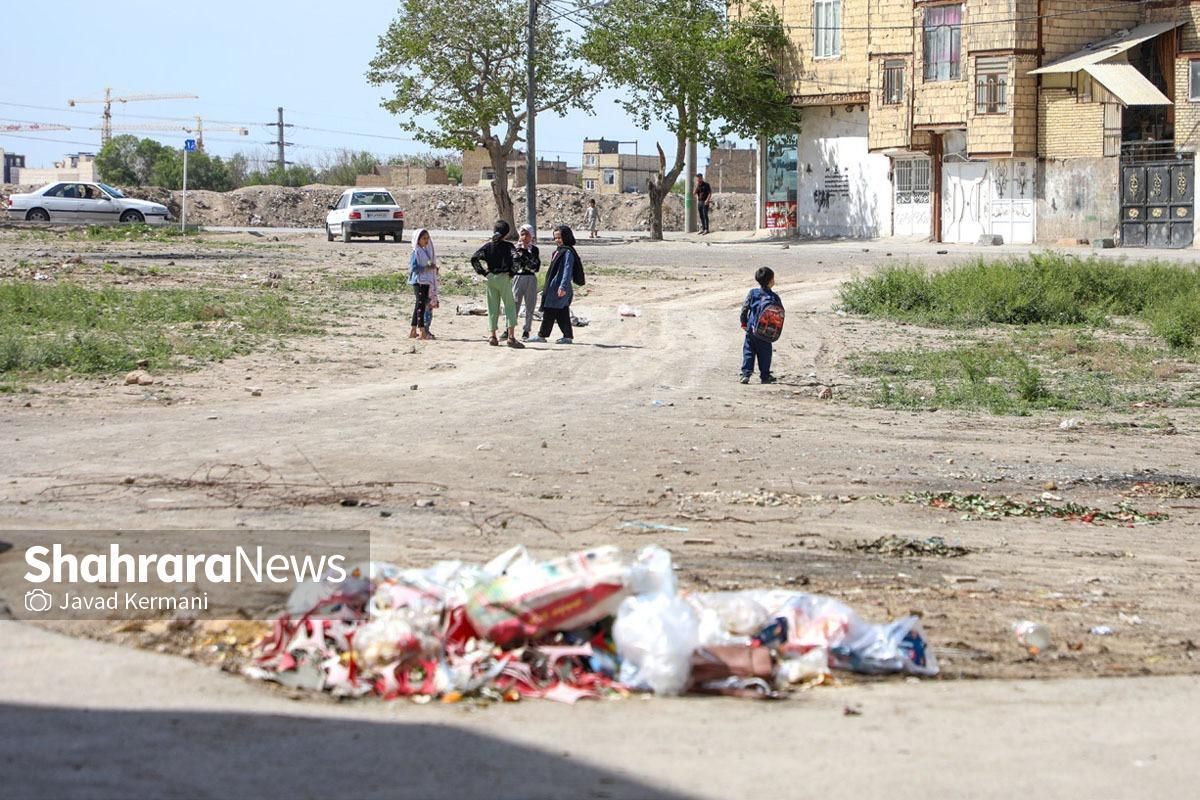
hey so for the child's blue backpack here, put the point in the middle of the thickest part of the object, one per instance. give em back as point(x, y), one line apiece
point(768, 321)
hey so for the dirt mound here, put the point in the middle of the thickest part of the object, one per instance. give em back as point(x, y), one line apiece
point(436, 207)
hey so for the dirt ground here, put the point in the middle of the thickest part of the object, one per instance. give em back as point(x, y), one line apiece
point(641, 420)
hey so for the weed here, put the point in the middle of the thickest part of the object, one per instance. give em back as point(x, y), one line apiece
point(1038, 289)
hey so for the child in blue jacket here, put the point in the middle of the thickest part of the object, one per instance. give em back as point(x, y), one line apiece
point(754, 347)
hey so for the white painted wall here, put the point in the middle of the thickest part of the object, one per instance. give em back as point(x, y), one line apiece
point(843, 189)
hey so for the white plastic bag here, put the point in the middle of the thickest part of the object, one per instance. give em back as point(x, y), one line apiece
point(655, 636)
point(655, 630)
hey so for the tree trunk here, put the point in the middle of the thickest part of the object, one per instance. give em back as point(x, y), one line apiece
point(657, 195)
point(504, 205)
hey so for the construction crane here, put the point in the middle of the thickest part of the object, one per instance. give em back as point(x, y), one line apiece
point(108, 100)
point(32, 127)
point(197, 129)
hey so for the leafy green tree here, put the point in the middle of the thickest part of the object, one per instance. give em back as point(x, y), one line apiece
point(115, 161)
point(456, 72)
point(698, 70)
point(239, 169)
point(345, 167)
point(204, 171)
point(293, 175)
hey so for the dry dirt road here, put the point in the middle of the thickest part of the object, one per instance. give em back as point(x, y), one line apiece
point(554, 447)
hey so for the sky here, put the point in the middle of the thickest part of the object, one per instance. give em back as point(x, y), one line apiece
point(243, 60)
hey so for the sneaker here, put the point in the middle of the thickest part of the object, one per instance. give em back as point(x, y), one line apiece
point(744, 379)
point(513, 343)
point(492, 341)
point(504, 335)
point(769, 378)
point(564, 340)
point(524, 336)
point(540, 339)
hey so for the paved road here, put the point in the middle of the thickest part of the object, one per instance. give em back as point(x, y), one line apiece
point(84, 719)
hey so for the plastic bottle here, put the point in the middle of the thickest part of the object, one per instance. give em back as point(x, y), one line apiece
point(1034, 636)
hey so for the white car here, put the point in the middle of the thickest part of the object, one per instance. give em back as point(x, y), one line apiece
point(83, 203)
point(365, 211)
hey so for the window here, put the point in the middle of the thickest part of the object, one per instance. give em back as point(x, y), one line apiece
point(943, 42)
point(827, 28)
point(589, 184)
point(991, 85)
point(371, 199)
point(590, 159)
point(1194, 80)
point(57, 191)
point(610, 177)
point(893, 82)
point(912, 181)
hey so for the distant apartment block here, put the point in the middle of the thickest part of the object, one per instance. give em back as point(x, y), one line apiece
point(732, 169)
point(478, 170)
point(9, 163)
point(608, 171)
point(393, 175)
point(73, 167)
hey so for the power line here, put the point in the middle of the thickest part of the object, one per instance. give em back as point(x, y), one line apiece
point(41, 139)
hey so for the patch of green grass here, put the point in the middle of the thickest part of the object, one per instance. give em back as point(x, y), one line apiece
point(995, 377)
point(66, 328)
point(1038, 289)
point(450, 282)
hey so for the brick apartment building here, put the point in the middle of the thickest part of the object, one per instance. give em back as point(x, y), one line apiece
point(478, 171)
point(608, 171)
point(732, 169)
point(394, 175)
point(1019, 119)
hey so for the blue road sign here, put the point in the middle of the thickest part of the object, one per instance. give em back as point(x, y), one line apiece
point(189, 145)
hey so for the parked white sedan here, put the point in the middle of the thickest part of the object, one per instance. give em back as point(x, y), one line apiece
point(83, 203)
point(365, 211)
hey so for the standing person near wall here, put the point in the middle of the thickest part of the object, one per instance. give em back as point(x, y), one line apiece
point(422, 276)
point(592, 219)
point(525, 286)
point(565, 268)
point(703, 193)
point(495, 261)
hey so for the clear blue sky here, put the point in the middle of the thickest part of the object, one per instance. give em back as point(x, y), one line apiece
point(243, 59)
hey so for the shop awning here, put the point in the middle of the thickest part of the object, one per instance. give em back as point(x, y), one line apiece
point(1124, 82)
point(1105, 49)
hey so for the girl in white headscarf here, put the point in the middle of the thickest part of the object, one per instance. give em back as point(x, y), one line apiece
point(422, 276)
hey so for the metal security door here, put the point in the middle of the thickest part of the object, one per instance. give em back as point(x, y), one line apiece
point(1012, 200)
point(1157, 203)
point(964, 197)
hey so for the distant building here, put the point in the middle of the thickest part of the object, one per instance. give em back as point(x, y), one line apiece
point(405, 175)
point(9, 163)
point(732, 169)
point(608, 171)
point(73, 167)
point(478, 171)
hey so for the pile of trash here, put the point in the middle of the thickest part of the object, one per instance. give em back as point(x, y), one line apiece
point(586, 625)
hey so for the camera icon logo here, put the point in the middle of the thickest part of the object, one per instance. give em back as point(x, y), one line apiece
point(38, 600)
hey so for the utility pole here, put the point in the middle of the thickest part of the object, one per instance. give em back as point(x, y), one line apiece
point(689, 199)
point(281, 155)
point(530, 122)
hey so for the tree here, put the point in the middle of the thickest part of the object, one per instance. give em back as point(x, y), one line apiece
point(204, 171)
point(456, 70)
point(345, 166)
point(292, 175)
point(115, 161)
point(701, 72)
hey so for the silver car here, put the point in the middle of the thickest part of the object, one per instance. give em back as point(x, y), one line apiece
point(88, 203)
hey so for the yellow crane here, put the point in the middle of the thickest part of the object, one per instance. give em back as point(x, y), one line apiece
point(198, 128)
point(109, 99)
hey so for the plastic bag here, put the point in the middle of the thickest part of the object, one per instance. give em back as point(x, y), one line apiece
point(729, 618)
point(656, 631)
point(656, 635)
point(562, 594)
